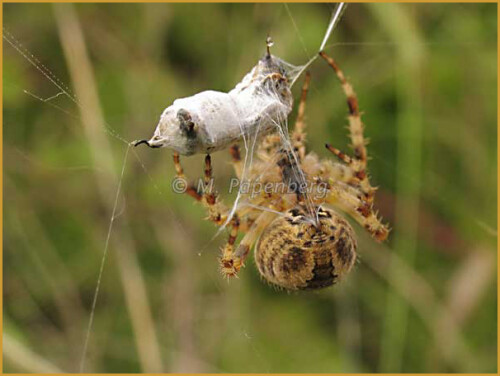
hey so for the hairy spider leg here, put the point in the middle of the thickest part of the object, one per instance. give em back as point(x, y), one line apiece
point(361, 208)
point(234, 150)
point(217, 211)
point(358, 209)
point(298, 135)
point(358, 143)
point(231, 262)
point(179, 171)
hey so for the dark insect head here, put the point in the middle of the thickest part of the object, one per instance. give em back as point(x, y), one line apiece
point(186, 122)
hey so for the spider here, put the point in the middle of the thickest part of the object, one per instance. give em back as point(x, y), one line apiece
point(302, 241)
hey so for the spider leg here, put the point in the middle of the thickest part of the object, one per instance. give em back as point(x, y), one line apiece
point(232, 261)
point(229, 265)
point(358, 209)
point(208, 195)
point(234, 150)
point(358, 143)
point(179, 171)
point(217, 211)
point(298, 135)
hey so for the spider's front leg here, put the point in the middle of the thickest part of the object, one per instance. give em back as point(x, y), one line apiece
point(217, 211)
point(232, 261)
point(359, 205)
point(299, 135)
point(358, 143)
point(179, 172)
point(358, 209)
point(238, 165)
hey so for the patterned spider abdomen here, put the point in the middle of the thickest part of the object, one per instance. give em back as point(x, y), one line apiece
point(296, 254)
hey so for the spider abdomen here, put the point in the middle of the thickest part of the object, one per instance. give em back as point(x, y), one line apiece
point(296, 254)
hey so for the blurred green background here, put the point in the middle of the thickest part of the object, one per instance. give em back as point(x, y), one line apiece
point(425, 301)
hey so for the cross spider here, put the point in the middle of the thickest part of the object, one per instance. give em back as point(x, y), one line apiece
point(297, 250)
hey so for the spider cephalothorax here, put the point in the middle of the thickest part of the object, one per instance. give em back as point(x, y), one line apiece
point(301, 242)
